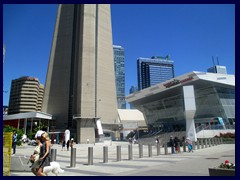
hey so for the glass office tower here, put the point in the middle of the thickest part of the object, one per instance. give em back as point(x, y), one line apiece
point(154, 70)
point(119, 66)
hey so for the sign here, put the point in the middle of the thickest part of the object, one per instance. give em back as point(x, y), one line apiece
point(176, 82)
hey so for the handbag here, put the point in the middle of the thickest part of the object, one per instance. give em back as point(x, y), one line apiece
point(32, 158)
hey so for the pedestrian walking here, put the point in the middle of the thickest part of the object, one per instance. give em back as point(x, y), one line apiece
point(177, 144)
point(14, 141)
point(171, 143)
point(45, 157)
point(36, 154)
point(68, 144)
point(189, 144)
point(63, 145)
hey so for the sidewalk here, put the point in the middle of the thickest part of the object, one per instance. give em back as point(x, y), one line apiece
point(181, 164)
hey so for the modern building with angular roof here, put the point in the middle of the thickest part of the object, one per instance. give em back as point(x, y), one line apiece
point(190, 102)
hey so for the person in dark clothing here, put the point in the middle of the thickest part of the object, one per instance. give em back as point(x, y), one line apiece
point(63, 145)
point(171, 143)
point(177, 144)
point(45, 156)
point(14, 141)
point(68, 144)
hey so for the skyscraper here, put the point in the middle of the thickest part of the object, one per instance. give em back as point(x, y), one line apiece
point(26, 95)
point(154, 70)
point(133, 89)
point(119, 66)
point(80, 85)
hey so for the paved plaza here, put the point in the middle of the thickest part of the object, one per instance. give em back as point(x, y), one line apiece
point(180, 164)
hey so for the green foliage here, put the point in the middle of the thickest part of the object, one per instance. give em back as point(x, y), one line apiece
point(8, 128)
point(31, 134)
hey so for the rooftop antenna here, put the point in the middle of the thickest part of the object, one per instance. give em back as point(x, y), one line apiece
point(217, 61)
point(213, 61)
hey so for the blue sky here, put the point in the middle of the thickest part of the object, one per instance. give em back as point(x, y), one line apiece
point(190, 34)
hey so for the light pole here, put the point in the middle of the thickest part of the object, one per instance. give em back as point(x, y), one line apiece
point(137, 130)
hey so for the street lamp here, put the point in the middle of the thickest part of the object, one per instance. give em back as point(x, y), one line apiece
point(137, 130)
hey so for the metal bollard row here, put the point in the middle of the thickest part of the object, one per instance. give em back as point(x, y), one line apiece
point(202, 143)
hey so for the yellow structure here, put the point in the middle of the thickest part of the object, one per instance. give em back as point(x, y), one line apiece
point(7, 149)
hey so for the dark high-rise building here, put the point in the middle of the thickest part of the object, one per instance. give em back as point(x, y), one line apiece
point(154, 70)
point(80, 89)
point(119, 65)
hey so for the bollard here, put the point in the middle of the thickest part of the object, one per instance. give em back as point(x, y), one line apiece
point(53, 155)
point(198, 145)
point(202, 145)
point(130, 155)
point(205, 143)
point(149, 150)
point(90, 155)
point(140, 150)
point(213, 143)
point(73, 157)
point(193, 145)
point(209, 142)
point(105, 154)
point(165, 149)
point(118, 153)
point(221, 140)
point(158, 149)
point(184, 147)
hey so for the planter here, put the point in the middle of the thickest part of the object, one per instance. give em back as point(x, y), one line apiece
point(221, 172)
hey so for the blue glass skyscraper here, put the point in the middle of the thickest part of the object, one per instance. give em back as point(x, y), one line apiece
point(154, 70)
point(119, 66)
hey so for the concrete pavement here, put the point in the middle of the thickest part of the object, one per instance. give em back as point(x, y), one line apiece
point(180, 164)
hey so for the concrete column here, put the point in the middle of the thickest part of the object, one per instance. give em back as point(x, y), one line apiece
point(189, 111)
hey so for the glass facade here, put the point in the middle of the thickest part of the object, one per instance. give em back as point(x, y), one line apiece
point(164, 111)
point(154, 70)
point(119, 66)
